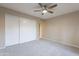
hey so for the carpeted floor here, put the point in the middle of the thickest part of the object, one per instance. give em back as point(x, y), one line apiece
point(39, 48)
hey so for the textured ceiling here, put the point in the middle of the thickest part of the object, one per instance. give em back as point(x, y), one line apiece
point(28, 8)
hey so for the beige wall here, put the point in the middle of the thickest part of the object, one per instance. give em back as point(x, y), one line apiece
point(42, 26)
point(2, 28)
point(63, 29)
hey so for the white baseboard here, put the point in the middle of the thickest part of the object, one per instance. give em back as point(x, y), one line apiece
point(65, 43)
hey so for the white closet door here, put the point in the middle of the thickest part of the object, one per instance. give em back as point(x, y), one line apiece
point(11, 29)
point(27, 30)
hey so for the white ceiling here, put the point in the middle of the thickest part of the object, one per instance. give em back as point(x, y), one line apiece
point(28, 8)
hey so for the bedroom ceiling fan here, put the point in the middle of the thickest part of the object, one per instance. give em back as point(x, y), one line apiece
point(46, 8)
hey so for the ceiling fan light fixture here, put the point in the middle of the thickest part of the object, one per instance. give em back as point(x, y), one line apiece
point(46, 8)
point(44, 11)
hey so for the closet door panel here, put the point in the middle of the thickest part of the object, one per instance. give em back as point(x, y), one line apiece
point(27, 30)
point(11, 29)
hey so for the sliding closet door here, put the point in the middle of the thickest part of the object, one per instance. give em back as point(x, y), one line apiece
point(27, 30)
point(11, 29)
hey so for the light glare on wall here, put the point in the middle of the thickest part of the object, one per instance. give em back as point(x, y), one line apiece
point(24, 21)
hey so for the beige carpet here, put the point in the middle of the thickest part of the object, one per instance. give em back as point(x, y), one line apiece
point(39, 48)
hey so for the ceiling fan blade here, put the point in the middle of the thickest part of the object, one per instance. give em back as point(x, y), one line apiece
point(52, 6)
point(50, 12)
point(40, 5)
point(45, 6)
point(42, 13)
point(37, 10)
